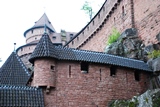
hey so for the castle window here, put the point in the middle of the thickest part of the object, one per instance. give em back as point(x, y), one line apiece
point(88, 28)
point(35, 38)
point(100, 72)
point(77, 38)
point(31, 31)
point(98, 16)
point(83, 33)
point(123, 13)
point(103, 8)
point(137, 75)
point(52, 68)
point(113, 71)
point(69, 71)
point(72, 42)
point(71, 36)
point(93, 22)
point(114, 20)
point(54, 37)
point(21, 49)
point(84, 67)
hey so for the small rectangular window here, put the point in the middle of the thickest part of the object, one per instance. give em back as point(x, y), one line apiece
point(113, 71)
point(54, 37)
point(52, 68)
point(137, 75)
point(71, 36)
point(72, 42)
point(84, 67)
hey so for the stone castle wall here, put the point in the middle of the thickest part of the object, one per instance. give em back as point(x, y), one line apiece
point(95, 88)
point(121, 14)
point(147, 19)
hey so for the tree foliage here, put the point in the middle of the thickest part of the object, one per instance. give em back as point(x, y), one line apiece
point(113, 36)
point(154, 54)
point(88, 9)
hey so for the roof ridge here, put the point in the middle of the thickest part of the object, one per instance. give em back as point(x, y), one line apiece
point(104, 54)
point(18, 87)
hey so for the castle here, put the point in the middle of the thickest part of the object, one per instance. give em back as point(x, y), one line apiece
point(79, 74)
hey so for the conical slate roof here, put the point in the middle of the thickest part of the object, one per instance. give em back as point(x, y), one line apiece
point(41, 23)
point(44, 48)
point(44, 21)
point(13, 71)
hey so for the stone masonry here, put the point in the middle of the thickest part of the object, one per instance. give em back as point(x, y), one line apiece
point(93, 89)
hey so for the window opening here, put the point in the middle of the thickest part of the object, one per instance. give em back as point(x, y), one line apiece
point(100, 74)
point(123, 14)
point(32, 31)
point(93, 22)
point(71, 36)
point(137, 75)
point(112, 71)
point(72, 42)
point(53, 67)
point(69, 70)
point(84, 67)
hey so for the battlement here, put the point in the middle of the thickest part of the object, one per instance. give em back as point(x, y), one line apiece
point(94, 25)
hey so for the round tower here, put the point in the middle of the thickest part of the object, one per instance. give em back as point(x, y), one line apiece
point(33, 36)
point(44, 60)
point(44, 73)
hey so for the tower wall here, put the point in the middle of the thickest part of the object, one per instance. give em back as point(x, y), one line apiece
point(34, 35)
point(44, 73)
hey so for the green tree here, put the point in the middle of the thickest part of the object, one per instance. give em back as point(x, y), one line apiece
point(88, 9)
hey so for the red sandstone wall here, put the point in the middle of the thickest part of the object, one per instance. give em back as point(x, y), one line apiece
point(43, 75)
point(117, 20)
point(147, 19)
point(92, 89)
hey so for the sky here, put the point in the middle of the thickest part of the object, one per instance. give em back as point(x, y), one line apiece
point(19, 15)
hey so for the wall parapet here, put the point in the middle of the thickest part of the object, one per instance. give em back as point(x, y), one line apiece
point(94, 25)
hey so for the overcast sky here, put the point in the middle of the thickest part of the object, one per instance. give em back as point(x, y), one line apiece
point(19, 15)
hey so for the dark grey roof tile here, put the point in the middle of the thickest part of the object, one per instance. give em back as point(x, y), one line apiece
point(13, 71)
point(45, 48)
point(21, 96)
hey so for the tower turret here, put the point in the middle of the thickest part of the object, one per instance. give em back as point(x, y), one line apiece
point(34, 34)
point(44, 66)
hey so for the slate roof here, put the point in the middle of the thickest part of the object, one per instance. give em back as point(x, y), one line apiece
point(20, 96)
point(45, 49)
point(13, 71)
point(43, 21)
